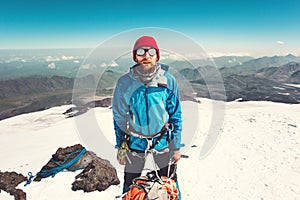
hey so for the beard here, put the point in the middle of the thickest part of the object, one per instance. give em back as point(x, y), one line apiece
point(145, 73)
point(145, 68)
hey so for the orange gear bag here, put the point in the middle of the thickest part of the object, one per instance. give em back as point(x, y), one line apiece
point(145, 188)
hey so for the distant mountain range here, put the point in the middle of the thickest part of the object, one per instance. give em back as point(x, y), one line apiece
point(251, 80)
point(27, 86)
point(285, 73)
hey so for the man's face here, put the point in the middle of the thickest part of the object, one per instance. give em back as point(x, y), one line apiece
point(146, 57)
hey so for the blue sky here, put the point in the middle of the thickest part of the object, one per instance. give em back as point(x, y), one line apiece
point(252, 27)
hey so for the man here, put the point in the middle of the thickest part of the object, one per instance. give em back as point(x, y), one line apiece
point(147, 114)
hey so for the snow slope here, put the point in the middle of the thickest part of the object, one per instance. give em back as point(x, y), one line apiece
point(256, 156)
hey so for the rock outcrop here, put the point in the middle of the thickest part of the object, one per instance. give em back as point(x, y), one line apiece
point(9, 181)
point(98, 175)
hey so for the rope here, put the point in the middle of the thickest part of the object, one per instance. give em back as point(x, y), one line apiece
point(60, 167)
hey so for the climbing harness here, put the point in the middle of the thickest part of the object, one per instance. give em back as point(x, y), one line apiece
point(152, 186)
point(166, 129)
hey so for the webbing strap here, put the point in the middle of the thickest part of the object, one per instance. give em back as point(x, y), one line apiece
point(60, 167)
point(159, 135)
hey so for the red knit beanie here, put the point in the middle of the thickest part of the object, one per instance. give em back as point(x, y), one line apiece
point(145, 41)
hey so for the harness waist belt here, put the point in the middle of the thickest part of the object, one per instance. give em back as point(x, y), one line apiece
point(163, 130)
point(131, 133)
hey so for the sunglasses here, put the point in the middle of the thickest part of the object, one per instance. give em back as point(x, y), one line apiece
point(142, 52)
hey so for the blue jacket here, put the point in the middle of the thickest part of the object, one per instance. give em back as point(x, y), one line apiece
point(145, 109)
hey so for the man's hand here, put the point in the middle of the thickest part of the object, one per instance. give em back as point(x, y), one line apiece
point(121, 156)
point(122, 153)
point(176, 156)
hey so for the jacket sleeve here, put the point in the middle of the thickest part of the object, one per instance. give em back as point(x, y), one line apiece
point(174, 110)
point(120, 113)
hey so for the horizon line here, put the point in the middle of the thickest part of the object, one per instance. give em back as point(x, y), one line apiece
point(211, 54)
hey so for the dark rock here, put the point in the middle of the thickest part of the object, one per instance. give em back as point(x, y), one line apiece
point(19, 194)
point(75, 111)
point(9, 181)
point(189, 98)
point(80, 109)
point(106, 102)
point(98, 175)
point(65, 155)
point(184, 156)
point(83, 161)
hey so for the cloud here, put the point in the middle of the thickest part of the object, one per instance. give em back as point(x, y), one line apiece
point(67, 57)
point(280, 42)
point(52, 59)
point(113, 64)
point(88, 66)
point(171, 56)
point(103, 65)
point(16, 59)
point(51, 65)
